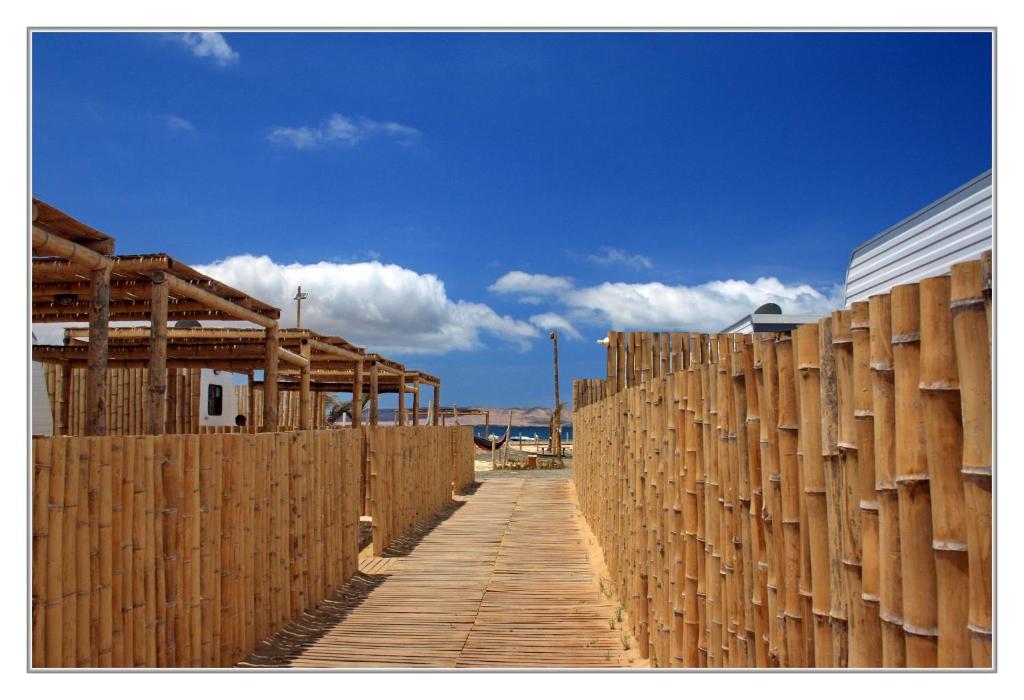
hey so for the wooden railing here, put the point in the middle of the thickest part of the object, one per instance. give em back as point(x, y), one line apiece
point(187, 550)
point(820, 497)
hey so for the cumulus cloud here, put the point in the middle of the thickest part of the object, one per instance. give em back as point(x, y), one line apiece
point(705, 307)
point(614, 256)
point(339, 129)
point(517, 281)
point(210, 45)
point(386, 308)
point(552, 321)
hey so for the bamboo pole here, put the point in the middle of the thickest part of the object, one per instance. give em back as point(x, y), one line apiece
point(374, 410)
point(890, 568)
point(438, 419)
point(416, 402)
point(64, 412)
point(940, 393)
point(920, 613)
point(305, 419)
point(866, 497)
point(271, 420)
point(157, 388)
point(357, 394)
point(971, 309)
point(99, 322)
point(402, 417)
point(849, 463)
point(788, 427)
point(835, 493)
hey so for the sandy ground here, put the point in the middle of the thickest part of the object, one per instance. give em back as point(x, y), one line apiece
point(482, 463)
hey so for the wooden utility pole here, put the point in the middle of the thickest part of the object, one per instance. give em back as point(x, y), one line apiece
point(556, 417)
point(299, 296)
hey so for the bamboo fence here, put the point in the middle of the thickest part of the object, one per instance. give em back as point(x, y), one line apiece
point(814, 498)
point(126, 406)
point(187, 550)
point(412, 473)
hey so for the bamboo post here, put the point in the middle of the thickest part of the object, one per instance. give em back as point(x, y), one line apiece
point(305, 418)
point(374, 410)
point(64, 414)
point(920, 613)
point(890, 568)
point(866, 496)
point(357, 394)
point(815, 492)
point(99, 322)
point(251, 398)
point(849, 464)
point(416, 401)
point(402, 418)
point(835, 488)
point(157, 389)
point(788, 437)
point(270, 395)
point(436, 398)
point(970, 305)
point(940, 392)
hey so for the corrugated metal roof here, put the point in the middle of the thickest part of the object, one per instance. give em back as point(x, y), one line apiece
point(956, 227)
point(765, 323)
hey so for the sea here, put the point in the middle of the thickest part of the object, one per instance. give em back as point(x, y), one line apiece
point(526, 432)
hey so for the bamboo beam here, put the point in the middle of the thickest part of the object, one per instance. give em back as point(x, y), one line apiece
point(99, 322)
point(45, 243)
point(270, 412)
point(357, 395)
point(157, 378)
point(295, 360)
point(304, 413)
point(322, 348)
point(212, 301)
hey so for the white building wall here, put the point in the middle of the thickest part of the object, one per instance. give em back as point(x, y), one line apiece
point(957, 227)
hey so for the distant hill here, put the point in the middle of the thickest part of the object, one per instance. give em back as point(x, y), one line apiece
point(536, 416)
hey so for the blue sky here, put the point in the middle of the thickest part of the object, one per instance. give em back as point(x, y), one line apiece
point(448, 198)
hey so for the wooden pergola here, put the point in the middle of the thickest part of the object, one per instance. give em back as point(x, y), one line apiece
point(76, 278)
point(73, 281)
point(308, 362)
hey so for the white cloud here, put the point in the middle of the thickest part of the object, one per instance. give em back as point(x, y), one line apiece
point(552, 321)
point(517, 281)
point(386, 308)
point(175, 123)
point(614, 256)
point(705, 307)
point(210, 44)
point(340, 129)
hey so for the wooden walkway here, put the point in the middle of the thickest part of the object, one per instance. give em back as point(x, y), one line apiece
point(502, 579)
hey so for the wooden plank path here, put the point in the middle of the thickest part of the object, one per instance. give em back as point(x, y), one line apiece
point(502, 579)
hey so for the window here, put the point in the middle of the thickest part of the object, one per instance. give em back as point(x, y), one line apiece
point(214, 400)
